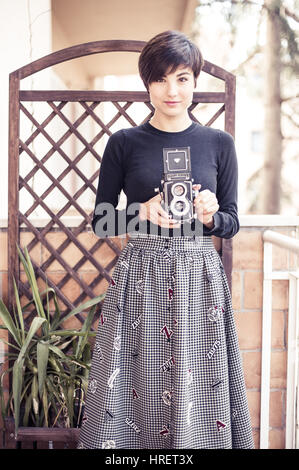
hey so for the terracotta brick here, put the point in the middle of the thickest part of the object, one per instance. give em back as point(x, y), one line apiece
point(286, 328)
point(41, 284)
point(293, 261)
point(101, 286)
point(248, 250)
point(280, 296)
point(276, 409)
point(249, 327)
point(71, 288)
point(104, 255)
point(88, 240)
point(120, 242)
point(75, 323)
point(24, 301)
point(252, 368)
point(3, 251)
point(278, 369)
point(256, 438)
point(236, 289)
point(277, 439)
point(72, 255)
point(72, 323)
point(55, 239)
point(280, 258)
point(253, 290)
point(54, 277)
point(278, 329)
point(254, 404)
point(35, 253)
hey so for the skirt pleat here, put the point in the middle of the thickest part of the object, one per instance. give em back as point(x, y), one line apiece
point(166, 369)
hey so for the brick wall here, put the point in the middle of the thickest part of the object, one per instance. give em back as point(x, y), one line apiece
point(247, 296)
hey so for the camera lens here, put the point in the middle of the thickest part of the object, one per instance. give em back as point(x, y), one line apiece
point(178, 190)
point(179, 206)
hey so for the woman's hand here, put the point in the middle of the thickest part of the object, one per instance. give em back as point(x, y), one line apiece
point(154, 212)
point(206, 205)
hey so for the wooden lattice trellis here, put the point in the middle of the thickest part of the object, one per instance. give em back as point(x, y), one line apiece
point(20, 179)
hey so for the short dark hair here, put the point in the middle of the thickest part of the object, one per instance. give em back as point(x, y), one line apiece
point(164, 53)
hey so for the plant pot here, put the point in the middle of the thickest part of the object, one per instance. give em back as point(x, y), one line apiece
point(36, 437)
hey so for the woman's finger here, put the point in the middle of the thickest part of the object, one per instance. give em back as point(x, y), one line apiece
point(206, 200)
point(211, 206)
point(166, 221)
point(163, 212)
point(160, 217)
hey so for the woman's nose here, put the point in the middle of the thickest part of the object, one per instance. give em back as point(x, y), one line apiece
point(172, 89)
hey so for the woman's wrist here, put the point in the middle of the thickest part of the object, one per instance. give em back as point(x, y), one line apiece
point(210, 223)
point(142, 212)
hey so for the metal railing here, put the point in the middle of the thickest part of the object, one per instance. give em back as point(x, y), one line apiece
point(292, 432)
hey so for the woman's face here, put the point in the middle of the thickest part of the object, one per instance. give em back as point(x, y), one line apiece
point(172, 95)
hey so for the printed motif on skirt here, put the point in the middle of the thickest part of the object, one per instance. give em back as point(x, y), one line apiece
point(166, 369)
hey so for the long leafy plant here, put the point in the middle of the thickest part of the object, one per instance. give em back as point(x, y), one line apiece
point(50, 365)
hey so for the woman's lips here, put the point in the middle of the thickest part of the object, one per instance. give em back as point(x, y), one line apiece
point(171, 103)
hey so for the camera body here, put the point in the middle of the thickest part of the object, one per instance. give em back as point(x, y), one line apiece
point(177, 194)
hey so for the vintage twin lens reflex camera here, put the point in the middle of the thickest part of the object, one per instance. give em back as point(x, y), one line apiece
point(177, 194)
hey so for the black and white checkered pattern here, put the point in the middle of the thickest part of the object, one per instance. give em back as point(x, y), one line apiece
point(166, 370)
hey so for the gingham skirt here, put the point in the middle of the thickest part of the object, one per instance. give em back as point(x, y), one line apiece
point(166, 371)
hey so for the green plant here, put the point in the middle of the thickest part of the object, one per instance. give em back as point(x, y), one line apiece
point(50, 364)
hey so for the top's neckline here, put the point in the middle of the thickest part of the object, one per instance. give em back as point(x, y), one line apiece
point(155, 130)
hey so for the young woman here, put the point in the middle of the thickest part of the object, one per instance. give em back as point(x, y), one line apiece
point(166, 369)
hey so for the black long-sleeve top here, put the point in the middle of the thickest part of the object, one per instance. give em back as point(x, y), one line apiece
point(133, 162)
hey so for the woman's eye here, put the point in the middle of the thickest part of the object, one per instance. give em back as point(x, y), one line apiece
point(183, 79)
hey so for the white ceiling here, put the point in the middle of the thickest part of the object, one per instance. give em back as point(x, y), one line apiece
point(77, 21)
